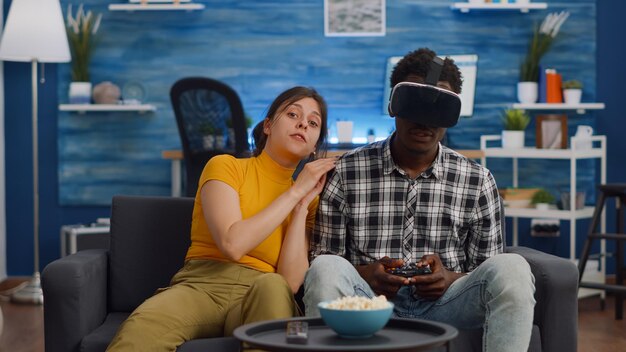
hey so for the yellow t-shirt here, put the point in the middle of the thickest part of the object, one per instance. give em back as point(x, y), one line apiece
point(258, 181)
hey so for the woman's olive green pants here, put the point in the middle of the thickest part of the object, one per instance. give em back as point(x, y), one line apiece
point(205, 299)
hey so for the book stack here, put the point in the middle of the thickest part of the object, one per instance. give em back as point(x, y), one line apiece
point(550, 90)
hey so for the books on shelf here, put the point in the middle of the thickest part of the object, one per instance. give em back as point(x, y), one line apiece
point(550, 90)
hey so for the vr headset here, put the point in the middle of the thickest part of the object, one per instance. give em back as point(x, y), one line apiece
point(426, 104)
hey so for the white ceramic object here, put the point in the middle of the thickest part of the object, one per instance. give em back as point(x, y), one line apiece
point(208, 142)
point(80, 93)
point(512, 139)
point(527, 92)
point(572, 96)
point(542, 206)
point(344, 131)
point(583, 136)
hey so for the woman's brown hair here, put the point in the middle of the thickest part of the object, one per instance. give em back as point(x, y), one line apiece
point(284, 100)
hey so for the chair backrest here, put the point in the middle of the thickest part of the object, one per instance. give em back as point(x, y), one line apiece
point(149, 240)
point(207, 107)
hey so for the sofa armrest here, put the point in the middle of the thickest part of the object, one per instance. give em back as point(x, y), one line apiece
point(75, 295)
point(556, 311)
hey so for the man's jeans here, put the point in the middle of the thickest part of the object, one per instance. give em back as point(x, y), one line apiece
point(497, 296)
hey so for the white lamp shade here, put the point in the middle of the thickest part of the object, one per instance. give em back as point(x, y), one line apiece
point(35, 30)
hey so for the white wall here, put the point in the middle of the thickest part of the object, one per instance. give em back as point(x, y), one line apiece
point(3, 222)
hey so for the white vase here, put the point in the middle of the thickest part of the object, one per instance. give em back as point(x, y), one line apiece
point(512, 139)
point(220, 141)
point(344, 131)
point(208, 142)
point(527, 92)
point(542, 206)
point(572, 96)
point(80, 93)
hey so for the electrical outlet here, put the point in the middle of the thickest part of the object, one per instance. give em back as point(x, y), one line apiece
point(545, 227)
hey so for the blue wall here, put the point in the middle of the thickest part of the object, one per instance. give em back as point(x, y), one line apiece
point(259, 48)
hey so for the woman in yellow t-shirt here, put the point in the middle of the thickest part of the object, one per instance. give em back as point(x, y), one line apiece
point(249, 235)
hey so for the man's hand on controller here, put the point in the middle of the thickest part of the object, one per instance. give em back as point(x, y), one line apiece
point(381, 282)
point(433, 286)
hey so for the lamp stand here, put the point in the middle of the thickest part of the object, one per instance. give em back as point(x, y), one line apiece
point(32, 292)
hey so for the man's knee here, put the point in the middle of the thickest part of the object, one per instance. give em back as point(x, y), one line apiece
point(328, 268)
point(510, 273)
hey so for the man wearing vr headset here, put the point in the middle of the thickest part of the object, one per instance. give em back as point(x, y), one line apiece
point(410, 200)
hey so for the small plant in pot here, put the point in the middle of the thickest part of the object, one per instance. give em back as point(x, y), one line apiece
point(220, 139)
point(231, 133)
point(82, 28)
point(572, 91)
point(515, 122)
point(542, 199)
point(208, 134)
point(540, 43)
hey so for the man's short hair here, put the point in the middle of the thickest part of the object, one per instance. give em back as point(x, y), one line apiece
point(417, 63)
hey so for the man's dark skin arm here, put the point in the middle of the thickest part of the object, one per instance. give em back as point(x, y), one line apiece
point(433, 286)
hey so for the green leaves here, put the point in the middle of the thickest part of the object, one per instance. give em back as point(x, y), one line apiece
point(81, 34)
point(515, 120)
point(542, 39)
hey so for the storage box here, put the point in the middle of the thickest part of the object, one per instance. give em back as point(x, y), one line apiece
point(517, 197)
point(79, 237)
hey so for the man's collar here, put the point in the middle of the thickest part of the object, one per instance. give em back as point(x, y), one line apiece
point(389, 165)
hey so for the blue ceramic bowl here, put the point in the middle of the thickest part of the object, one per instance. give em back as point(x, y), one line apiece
point(355, 323)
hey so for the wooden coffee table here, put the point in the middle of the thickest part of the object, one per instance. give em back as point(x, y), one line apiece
point(397, 335)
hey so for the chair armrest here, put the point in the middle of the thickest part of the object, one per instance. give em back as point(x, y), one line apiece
point(556, 311)
point(75, 295)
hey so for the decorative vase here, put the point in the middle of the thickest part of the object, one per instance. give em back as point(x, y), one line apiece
point(208, 142)
point(542, 206)
point(220, 141)
point(572, 96)
point(344, 131)
point(512, 139)
point(527, 92)
point(231, 138)
point(106, 93)
point(80, 93)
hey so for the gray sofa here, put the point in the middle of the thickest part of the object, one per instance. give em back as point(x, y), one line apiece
point(89, 294)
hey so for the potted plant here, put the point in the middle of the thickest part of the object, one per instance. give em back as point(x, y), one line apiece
point(208, 135)
point(542, 39)
point(220, 140)
point(572, 91)
point(231, 133)
point(515, 122)
point(542, 199)
point(81, 33)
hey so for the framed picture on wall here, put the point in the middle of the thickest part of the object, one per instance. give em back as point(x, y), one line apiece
point(551, 132)
point(467, 65)
point(351, 18)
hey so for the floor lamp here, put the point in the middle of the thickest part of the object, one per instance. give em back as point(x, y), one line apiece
point(35, 33)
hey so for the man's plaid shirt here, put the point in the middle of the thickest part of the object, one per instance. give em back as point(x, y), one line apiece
point(451, 209)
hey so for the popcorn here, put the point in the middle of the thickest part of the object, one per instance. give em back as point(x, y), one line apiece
point(358, 303)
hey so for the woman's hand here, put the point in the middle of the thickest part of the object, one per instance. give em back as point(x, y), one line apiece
point(311, 179)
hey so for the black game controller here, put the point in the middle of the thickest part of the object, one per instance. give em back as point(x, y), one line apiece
point(410, 270)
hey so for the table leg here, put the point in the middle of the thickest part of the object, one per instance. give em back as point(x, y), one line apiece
point(176, 178)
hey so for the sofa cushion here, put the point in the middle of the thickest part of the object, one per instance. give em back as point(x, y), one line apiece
point(138, 266)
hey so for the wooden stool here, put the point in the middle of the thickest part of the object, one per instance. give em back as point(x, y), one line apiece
point(618, 191)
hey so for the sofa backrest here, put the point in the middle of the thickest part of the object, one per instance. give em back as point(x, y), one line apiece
point(149, 239)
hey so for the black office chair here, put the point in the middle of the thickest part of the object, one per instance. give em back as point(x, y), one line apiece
point(206, 107)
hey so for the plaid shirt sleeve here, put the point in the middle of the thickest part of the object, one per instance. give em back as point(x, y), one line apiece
point(329, 234)
point(485, 231)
